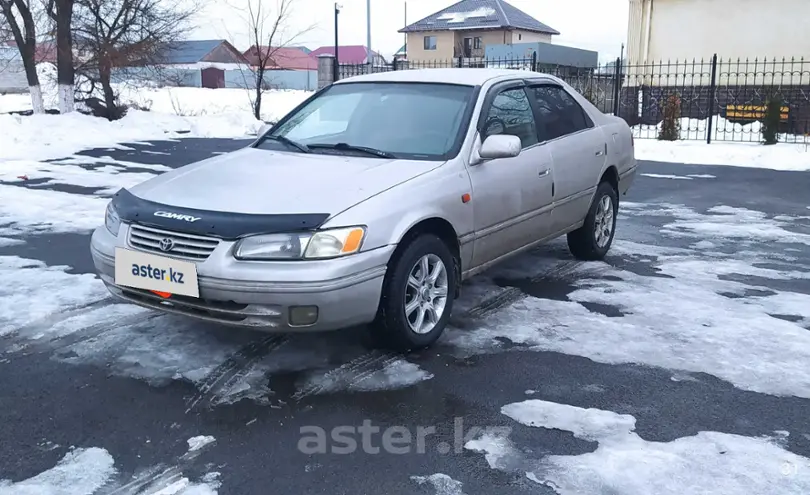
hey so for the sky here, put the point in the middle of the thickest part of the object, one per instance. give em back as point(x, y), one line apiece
point(599, 25)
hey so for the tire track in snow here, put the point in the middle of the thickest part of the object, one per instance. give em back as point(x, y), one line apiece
point(513, 294)
point(236, 367)
point(351, 373)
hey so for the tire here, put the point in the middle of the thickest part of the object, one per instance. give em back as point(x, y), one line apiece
point(396, 328)
point(585, 243)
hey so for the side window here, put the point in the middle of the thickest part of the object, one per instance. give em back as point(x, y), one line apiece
point(511, 113)
point(559, 113)
point(430, 43)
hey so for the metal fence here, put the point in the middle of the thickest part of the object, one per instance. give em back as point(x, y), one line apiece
point(719, 100)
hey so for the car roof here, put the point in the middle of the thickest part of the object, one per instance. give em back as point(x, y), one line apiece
point(465, 76)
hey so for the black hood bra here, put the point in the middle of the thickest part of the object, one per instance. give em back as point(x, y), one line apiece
point(221, 224)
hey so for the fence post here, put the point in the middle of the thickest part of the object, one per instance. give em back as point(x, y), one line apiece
point(617, 81)
point(534, 61)
point(394, 64)
point(712, 92)
point(460, 62)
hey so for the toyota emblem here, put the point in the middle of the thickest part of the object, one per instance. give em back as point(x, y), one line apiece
point(166, 245)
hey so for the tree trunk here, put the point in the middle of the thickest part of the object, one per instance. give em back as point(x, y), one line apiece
point(64, 55)
point(28, 54)
point(104, 76)
point(257, 104)
point(26, 40)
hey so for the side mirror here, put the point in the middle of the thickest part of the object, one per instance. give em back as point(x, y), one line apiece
point(500, 146)
point(263, 129)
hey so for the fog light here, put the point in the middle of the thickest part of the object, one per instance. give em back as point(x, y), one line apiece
point(303, 315)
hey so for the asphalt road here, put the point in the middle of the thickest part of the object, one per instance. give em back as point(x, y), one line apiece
point(123, 387)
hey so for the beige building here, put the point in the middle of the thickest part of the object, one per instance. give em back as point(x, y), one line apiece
point(687, 29)
point(466, 28)
point(662, 31)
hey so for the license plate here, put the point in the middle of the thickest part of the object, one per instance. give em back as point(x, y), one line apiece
point(156, 273)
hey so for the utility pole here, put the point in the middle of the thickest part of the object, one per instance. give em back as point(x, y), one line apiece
point(336, 66)
point(368, 31)
point(405, 35)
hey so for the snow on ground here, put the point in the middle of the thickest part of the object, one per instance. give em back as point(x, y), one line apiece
point(109, 177)
point(690, 316)
point(37, 211)
point(784, 156)
point(33, 292)
point(791, 154)
point(88, 471)
point(79, 472)
point(198, 442)
point(172, 113)
point(441, 483)
point(623, 462)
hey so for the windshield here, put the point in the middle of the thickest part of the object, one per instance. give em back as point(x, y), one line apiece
point(404, 120)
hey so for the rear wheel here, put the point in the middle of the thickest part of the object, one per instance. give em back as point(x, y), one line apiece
point(417, 295)
point(592, 241)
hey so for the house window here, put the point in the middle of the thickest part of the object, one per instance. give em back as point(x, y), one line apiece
point(520, 36)
point(430, 42)
point(477, 44)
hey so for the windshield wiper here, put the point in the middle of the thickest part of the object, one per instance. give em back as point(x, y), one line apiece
point(351, 147)
point(289, 142)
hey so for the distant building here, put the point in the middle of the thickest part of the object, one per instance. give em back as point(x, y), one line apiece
point(351, 54)
point(465, 29)
point(401, 53)
point(199, 62)
point(201, 54)
point(281, 58)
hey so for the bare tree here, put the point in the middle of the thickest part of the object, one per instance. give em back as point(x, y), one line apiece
point(269, 31)
point(115, 34)
point(20, 19)
point(61, 12)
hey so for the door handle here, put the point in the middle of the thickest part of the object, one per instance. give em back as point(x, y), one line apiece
point(600, 153)
point(545, 172)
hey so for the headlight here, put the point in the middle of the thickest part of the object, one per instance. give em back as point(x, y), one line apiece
point(322, 244)
point(111, 220)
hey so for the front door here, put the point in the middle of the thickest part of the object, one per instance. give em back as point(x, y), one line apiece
point(577, 147)
point(468, 46)
point(511, 196)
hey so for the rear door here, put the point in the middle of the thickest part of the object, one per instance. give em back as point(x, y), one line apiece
point(577, 147)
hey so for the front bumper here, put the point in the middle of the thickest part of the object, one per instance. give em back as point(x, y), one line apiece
point(260, 295)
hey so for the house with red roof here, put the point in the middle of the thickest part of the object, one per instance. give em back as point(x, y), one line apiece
point(281, 58)
point(350, 54)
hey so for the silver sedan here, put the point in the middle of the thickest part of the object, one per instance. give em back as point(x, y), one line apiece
point(370, 203)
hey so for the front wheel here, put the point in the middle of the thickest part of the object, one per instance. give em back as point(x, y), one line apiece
point(417, 295)
point(592, 241)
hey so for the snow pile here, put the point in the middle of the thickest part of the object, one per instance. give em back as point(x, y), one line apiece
point(787, 157)
point(792, 154)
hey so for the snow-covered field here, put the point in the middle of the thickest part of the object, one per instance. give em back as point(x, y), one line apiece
point(156, 113)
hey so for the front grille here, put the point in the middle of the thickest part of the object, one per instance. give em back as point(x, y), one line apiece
point(188, 246)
